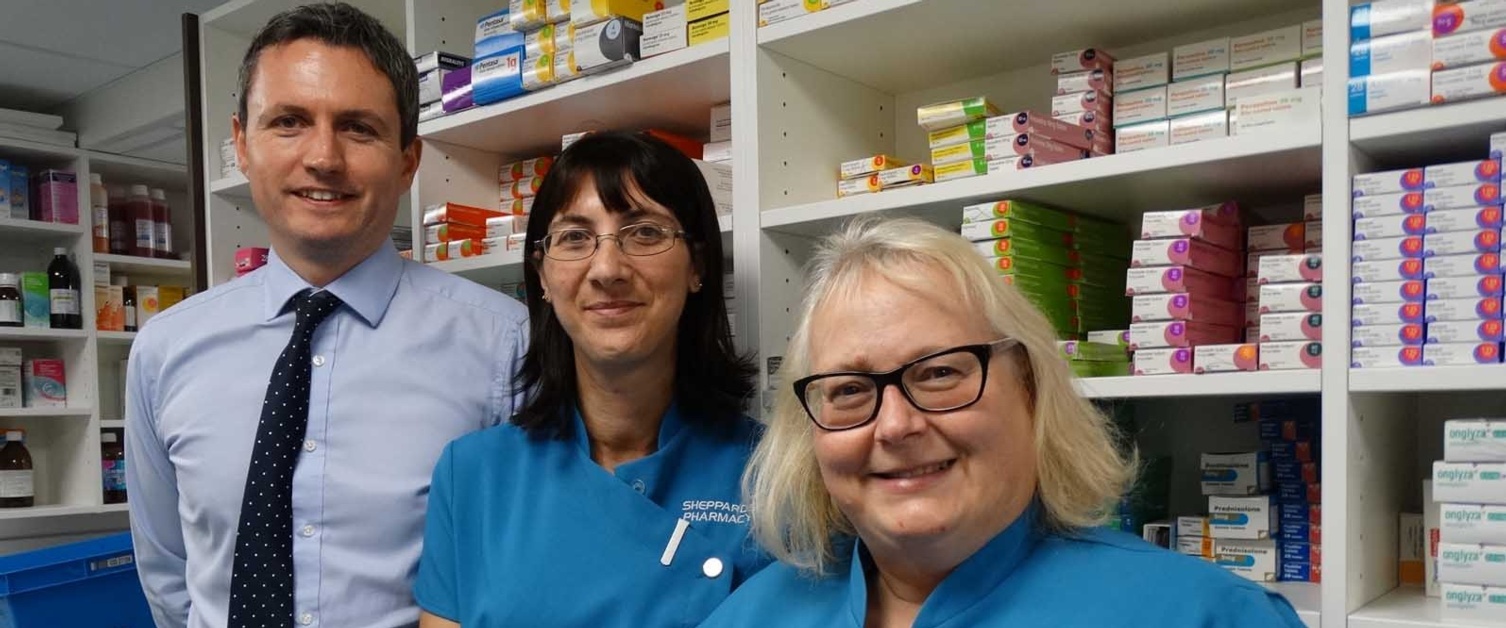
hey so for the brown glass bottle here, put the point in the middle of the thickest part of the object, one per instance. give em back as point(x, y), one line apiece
point(112, 463)
point(16, 487)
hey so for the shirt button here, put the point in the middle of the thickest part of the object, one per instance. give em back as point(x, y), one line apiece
point(309, 445)
point(318, 360)
point(306, 619)
point(639, 486)
point(712, 567)
point(308, 530)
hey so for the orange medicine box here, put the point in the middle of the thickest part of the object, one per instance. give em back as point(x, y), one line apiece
point(458, 214)
point(109, 308)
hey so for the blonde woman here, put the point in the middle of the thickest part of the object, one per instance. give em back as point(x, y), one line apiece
point(929, 464)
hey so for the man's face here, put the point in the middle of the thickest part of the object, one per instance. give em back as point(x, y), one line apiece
point(322, 150)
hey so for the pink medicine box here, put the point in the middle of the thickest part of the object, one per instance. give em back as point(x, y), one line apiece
point(1163, 361)
point(1180, 334)
point(1188, 307)
point(1163, 279)
point(1186, 252)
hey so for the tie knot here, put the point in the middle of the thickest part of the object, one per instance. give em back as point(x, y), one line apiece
point(314, 307)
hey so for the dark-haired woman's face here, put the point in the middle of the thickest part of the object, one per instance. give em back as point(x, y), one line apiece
point(620, 310)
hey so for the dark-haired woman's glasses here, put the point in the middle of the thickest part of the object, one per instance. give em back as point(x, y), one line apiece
point(639, 239)
point(944, 381)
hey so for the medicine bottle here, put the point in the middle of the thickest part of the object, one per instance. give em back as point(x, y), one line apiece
point(17, 490)
point(10, 300)
point(112, 462)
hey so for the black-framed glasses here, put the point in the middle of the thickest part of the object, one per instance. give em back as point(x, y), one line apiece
point(638, 239)
point(947, 380)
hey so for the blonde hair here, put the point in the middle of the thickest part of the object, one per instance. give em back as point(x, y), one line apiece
point(1080, 472)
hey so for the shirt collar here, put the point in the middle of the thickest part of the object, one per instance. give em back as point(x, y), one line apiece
point(366, 289)
point(976, 577)
point(669, 427)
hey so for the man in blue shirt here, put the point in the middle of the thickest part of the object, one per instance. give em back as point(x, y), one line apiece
point(282, 428)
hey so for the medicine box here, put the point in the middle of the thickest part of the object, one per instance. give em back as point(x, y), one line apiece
point(1252, 560)
point(1279, 237)
point(1168, 361)
point(1138, 137)
point(1141, 105)
point(1462, 196)
point(1198, 127)
point(1081, 60)
point(608, 44)
point(1299, 493)
point(1297, 513)
point(1300, 572)
point(868, 165)
point(1260, 81)
point(1199, 59)
point(45, 383)
point(1468, 219)
point(1191, 526)
point(1473, 603)
point(1290, 297)
point(1387, 92)
point(1400, 334)
point(1265, 48)
point(1199, 546)
point(1463, 287)
point(1475, 440)
point(1297, 451)
point(1411, 548)
point(1383, 17)
point(1020, 211)
point(1310, 72)
point(1463, 17)
point(582, 13)
point(1119, 337)
point(1274, 430)
point(1386, 314)
point(1472, 563)
point(1410, 291)
point(1461, 354)
point(1216, 224)
point(1275, 108)
point(1312, 38)
point(1091, 100)
point(1470, 309)
point(1401, 52)
point(1151, 70)
point(1225, 358)
point(1283, 356)
point(1468, 49)
point(1453, 332)
point(1387, 270)
point(1173, 279)
point(1385, 356)
point(1390, 226)
point(709, 29)
point(972, 167)
point(1472, 523)
point(663, 31)
point(1236, 474)
point(1101, 80)
point(1187, 307)
point(906, 176)
point(1195, 95)
point(1294, 472)
point(1303, 268)
point(1291, 326)
point(1463, 265)
point(1469, 82)
point(941, 115)
point(1382, 249)
point(1158, 334)
point(1469, 482)
point(1387, 205)
point(1186, 252)
point(1247, 518)
point(1462, 173)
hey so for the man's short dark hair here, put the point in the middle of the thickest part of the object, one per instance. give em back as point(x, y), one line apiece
point(339, 24)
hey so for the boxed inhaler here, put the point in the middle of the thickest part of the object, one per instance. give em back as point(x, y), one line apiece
point(1234, 474)
point(1225, 358)
point(1469, 482)
point(1168, 361)
point(1472, 523)
point(1474, 440)
point(1252, 560)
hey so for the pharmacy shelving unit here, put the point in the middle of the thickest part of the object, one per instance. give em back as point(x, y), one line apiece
point(845, 82)
point(64, 442)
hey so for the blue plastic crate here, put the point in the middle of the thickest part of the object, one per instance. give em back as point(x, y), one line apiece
point(91, 584)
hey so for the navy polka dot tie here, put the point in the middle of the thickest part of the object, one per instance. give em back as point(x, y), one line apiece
point(261, 582)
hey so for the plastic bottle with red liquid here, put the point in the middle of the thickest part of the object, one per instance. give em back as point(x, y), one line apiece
point(139, 211)
point(162, 225)
point(122, 231)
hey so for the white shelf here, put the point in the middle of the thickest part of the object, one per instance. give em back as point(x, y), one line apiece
point(134, 264)
point(117, 338)
point(26, 150)
point(860, 40)
point(124, 169)
point(1306, 597)
point(490, 270)
point(112, 508)
point(106, 424)
point(33, 232)
point(234, 186)
point(1429, 378)
point(246, 17)
point(1277, 165)
point(1419, 137)
point(1209, 385)
point(41, 333)
point(673, 91)
point(28, 413)
point(1403, 607)
point(48, 512)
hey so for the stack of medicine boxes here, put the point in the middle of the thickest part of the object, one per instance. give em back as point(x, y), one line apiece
point(520, 182)
point(1289, 431)
point(1090, 107)
point(1390, 55)
point(1184, 281)
point(432, 70)
point(1003, 143)
point(1242, 523)
point(1067, 265)
point(1466, 50)
point(1288, 263)
point(1427, 273)
point(1469, 486)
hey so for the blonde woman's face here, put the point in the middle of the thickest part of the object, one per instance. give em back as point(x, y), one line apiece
point(914, 482)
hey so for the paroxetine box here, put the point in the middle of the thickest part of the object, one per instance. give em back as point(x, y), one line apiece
point(1470, 602)
point(1462, 354)
point(1393, 53)
point(1468, 82)
point(1077, 102)
point(1226, 358)
point(1291, 326)
point(1410, 291)
point(1390, 226)
point(1141, 105)
point(1199, 126)
point(1385, 357)
point(1234, 474)
point(1459, 332)
point(1169, 361)
point(1186, 252)
point(1462, 173)
point(1101, 80)
point(868, 165)
point(1462, 242)
point(1463, 265)
point(1137, 137)
point(1468, 219)
point(1472, 523)
point(1236, 515)
point(1463, 287)
point(1306, 267)
point(1148, 71)
point(1381, 249)
point(1463, 17)
point(1205, 57)
point(1187, 307)
point(1195, 95)
point(1472, 563)
point(1388, 270)
point(1386, 92)
point(1462, 197)
point(1157, 334)
point(1291, 297)
point(1174, 279)
point(1387, 205)
point(1275, 108)
point(1284, 356)
point(1252, 560)
point(1474, 440)
point(1260, 81)
point(1282, 237)
point(1388, 182)
point(1383, 17)
point(1387, 314)
point(1469, 482)
point(1469, 49)
point(1266, 48)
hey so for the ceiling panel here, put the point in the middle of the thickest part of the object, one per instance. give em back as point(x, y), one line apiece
point(35, 80)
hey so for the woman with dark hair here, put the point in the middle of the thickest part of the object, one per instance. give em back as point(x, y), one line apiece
point(612, 498)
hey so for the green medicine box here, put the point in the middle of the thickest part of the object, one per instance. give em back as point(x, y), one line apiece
point(1017, 249)
point(1020, 211)
point(35, 300)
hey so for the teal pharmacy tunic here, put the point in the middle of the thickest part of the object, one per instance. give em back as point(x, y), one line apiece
point(526, 531)
point(1026, 577)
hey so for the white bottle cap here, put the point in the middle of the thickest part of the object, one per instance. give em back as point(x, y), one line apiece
point(95, 179)
point(109, 437)
point(15, 435)
point(9, 279)
point(158, 194)
point(59, 251)
point(138, 190)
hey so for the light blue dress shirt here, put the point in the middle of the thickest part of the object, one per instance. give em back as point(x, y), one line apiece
point(564, 542)
point(414, 359)
point(1027, 577)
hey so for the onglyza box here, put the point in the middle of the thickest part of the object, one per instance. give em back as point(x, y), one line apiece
point(1472, 523)
point(1474, 440)
point(1469, 482)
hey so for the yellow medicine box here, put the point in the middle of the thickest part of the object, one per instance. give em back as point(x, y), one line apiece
point(702, 9)
point(907, 175)
point(710, 29)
